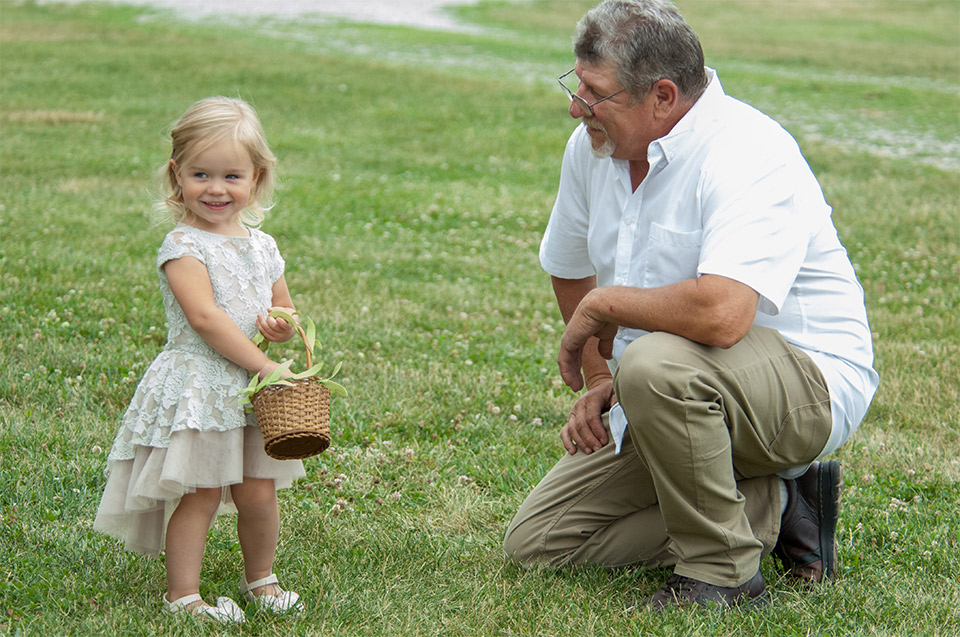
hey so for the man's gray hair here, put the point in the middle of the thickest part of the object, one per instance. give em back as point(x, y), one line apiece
point(646, 41)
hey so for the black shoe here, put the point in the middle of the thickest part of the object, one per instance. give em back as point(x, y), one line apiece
point(686, 591)
point(807, 546)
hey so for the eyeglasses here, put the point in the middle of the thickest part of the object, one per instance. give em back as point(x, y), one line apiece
point(585, 106)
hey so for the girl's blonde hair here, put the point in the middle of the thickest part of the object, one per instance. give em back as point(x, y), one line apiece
point(206, 123)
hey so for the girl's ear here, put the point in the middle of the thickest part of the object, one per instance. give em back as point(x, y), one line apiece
point(257, 178)
point(174, 171)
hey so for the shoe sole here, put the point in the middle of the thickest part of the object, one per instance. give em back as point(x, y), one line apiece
point(829, 484)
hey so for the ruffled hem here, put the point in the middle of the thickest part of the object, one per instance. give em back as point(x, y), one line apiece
point(182, 390)
point(143, 492)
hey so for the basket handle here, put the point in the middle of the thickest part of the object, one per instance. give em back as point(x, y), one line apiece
point(306, 343)
point(307, 330)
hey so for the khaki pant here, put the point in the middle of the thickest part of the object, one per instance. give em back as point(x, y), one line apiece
point(695, 485)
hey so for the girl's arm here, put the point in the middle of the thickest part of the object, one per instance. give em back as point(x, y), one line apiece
point(190, 284)
point(273, 329)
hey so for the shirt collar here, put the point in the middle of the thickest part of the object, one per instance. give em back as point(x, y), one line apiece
point(673, 143)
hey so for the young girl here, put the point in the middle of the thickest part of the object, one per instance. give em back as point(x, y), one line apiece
point(185, 450)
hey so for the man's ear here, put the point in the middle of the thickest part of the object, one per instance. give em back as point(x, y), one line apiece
point(666, 95)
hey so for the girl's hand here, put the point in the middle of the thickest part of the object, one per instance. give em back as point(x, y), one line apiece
point(269, 366)
point(275, 330)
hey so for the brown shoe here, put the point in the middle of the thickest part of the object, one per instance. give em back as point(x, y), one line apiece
point(807, 546)
point(686, 591)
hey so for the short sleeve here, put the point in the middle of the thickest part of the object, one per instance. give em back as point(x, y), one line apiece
point(771, 208)
point(564, 250)
point(179, 243)
point(275, 262)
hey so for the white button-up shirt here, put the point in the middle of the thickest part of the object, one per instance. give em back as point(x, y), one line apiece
point(728, 193)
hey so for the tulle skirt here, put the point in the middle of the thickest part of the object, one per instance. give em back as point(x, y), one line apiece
point(143, 492)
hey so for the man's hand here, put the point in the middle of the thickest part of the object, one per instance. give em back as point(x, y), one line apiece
point(584, 429)
point(584, 324)
point(712, 309)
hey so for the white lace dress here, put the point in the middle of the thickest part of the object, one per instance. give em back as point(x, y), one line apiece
point(184, 428)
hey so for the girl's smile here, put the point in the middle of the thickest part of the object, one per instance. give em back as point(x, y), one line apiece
point(217, 185)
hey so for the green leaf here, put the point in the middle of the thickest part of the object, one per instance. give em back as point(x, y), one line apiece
point(313, 371)
point(260, 341)
point(311, 331)
point(244, 396)
point(284, 315)
point(275, 375)
point(336, 389)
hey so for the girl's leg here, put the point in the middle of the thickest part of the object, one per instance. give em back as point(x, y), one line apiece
point(186, 539)
point(258, 528)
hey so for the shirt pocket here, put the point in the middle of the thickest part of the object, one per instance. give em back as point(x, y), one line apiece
point(672, 256)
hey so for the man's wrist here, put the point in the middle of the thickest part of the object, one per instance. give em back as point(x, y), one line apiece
point(596, 380)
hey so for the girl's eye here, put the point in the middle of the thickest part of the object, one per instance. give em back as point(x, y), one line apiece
point(200, 175)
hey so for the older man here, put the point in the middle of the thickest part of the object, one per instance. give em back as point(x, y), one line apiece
point(691, 246)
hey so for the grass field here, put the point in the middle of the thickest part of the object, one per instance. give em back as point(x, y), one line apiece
point(417, 171)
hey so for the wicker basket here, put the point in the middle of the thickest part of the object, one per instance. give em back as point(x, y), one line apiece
point(294, 419)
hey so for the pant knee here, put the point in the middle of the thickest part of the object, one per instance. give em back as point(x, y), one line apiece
point(653, 366)
point(519, 547)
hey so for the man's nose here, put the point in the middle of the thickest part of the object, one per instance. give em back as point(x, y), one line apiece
point(576, 110)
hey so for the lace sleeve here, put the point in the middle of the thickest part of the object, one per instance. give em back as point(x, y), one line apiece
point(178, 244)
point(275, 263)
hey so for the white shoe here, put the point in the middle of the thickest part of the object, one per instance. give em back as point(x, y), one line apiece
point(285, 602)
point(226, 611)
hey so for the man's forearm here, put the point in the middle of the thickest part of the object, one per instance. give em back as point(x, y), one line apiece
point(712, 310)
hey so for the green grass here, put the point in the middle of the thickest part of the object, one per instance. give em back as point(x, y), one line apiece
point(417, 173)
